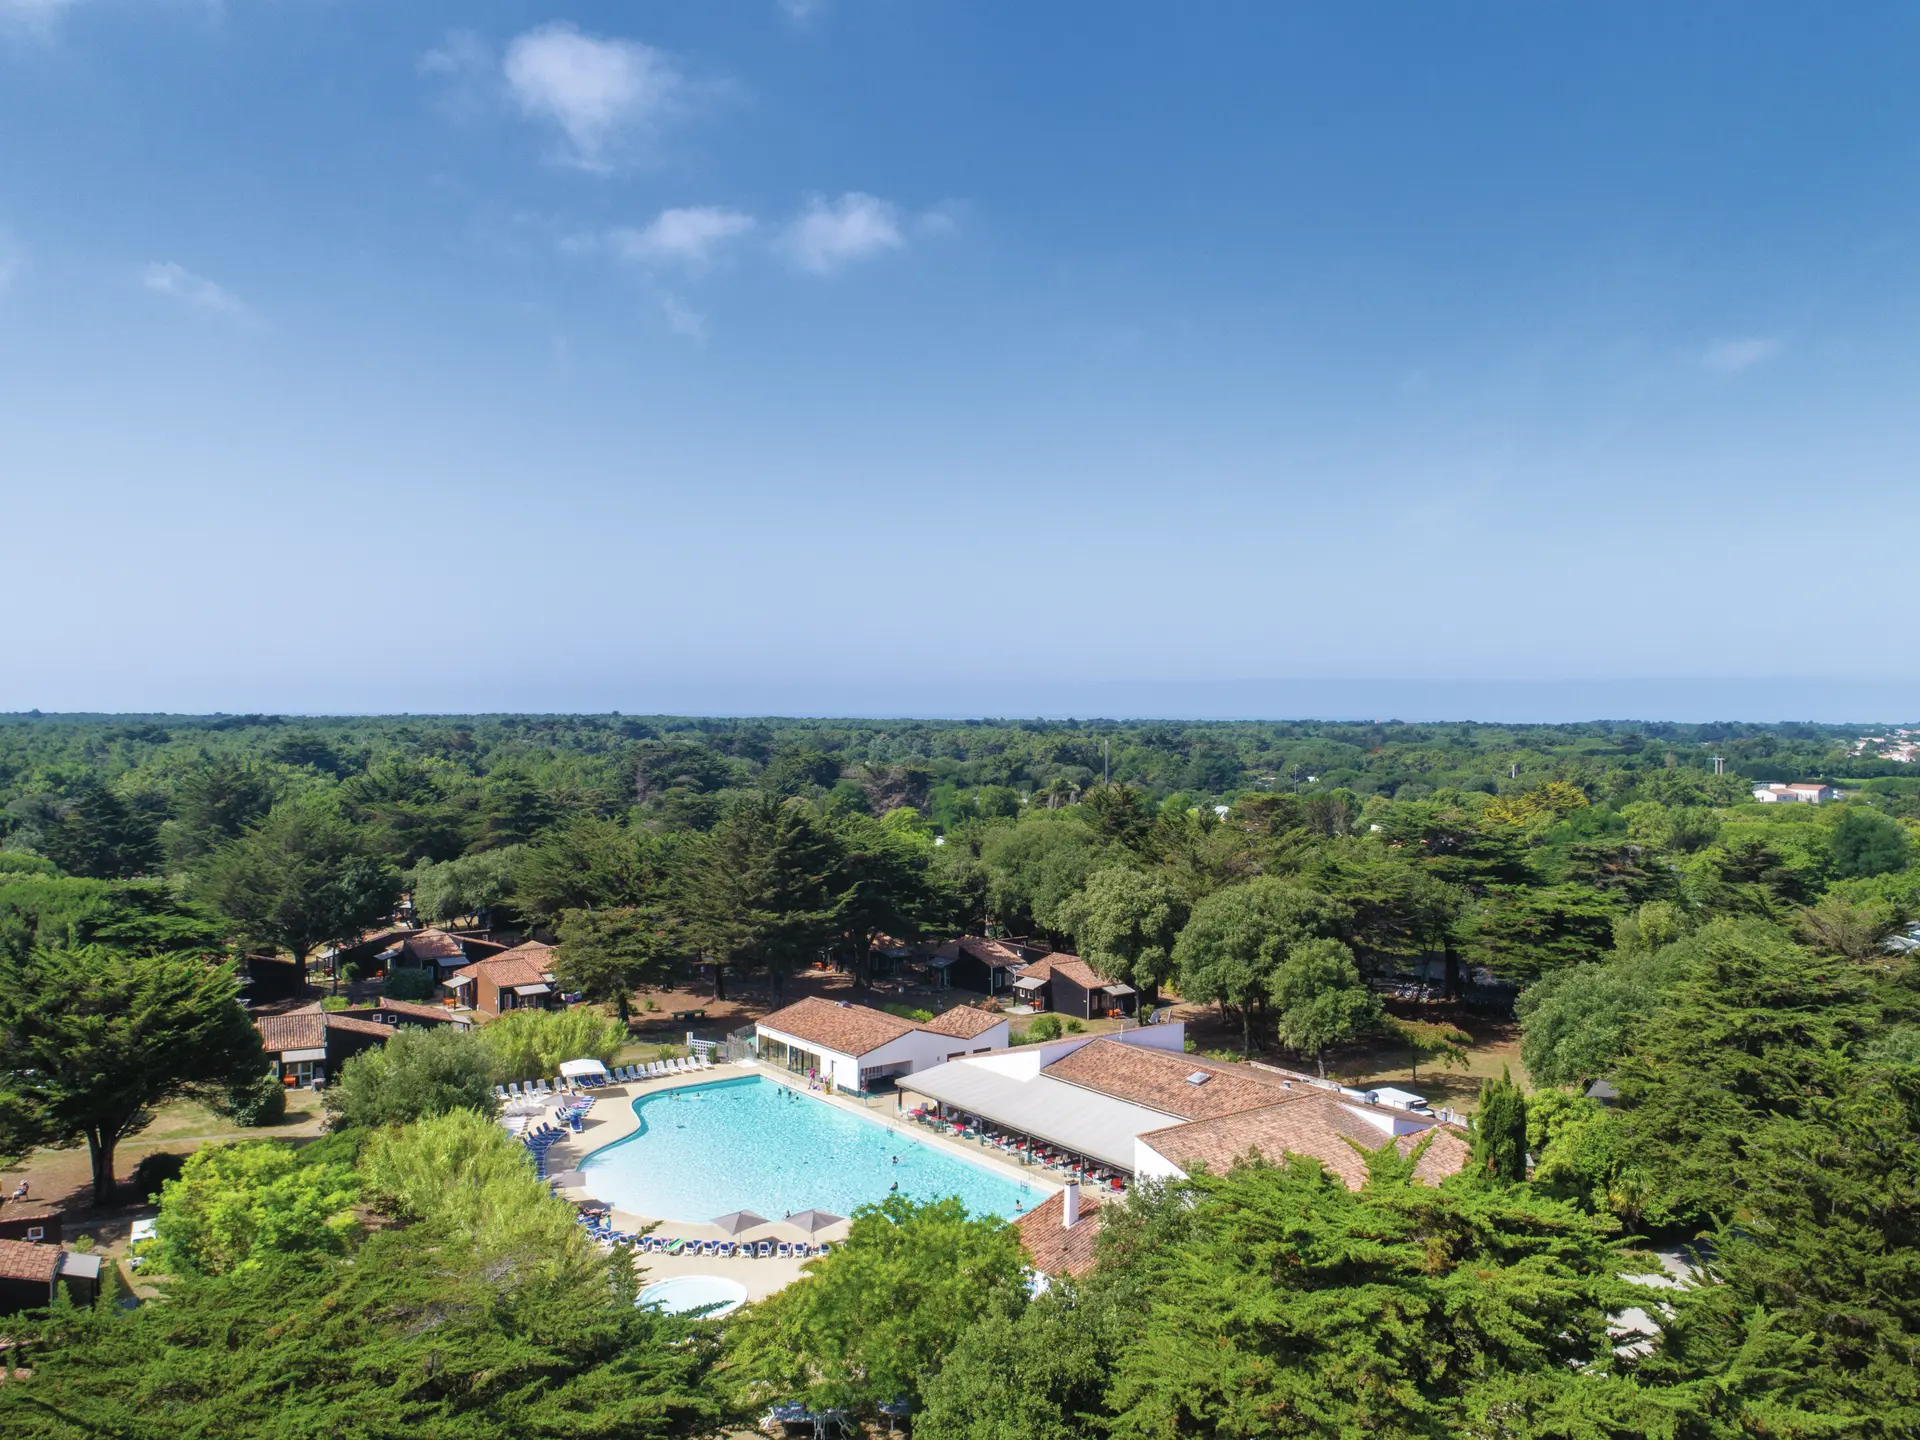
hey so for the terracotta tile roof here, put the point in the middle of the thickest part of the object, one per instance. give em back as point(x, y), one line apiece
point(1158, 1080)
point(1315, 1123)
point(307, 1029)
point(296, 1030)
point(1053, 1248)
point(848, 1029)
point(358, 1027)
point(963, 1022)
point(528, 964)
point(25, 1260)
point(434, 945)
point(1071, 966)
point(990, 952)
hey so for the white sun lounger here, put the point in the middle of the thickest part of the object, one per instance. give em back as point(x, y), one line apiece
point(704, 1062)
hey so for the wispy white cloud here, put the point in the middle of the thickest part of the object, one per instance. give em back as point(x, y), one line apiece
point(803, 12)
point(683, 319)
point(180, 283)
point(829, 235)
point(32, 17)
point(1731, 356)
point(691, 237)
point(606, 96)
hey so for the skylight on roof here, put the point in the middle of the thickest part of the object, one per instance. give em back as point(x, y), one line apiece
point(1198, 1077)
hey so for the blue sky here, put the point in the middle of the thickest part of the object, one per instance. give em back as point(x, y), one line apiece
point(860, 355)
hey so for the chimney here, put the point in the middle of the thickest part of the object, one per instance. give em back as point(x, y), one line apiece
point(1070, 1214)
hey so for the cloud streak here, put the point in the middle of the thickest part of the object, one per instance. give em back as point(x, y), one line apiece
point(829, 235)
point(181, 284)
point(32, 17)
point(1733, 356)
point(691, 237)
point(607, 97)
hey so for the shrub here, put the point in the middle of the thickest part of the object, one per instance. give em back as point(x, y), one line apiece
point(334, 1002)
point(1074, 1027)
point(415, 983)
point(260, 1102)
point(1043, 1027)
point(81, 1244)
point(914, 1013)
point(235, 1205)
point(154, 1170)
point(415, 1074)
point(467, 1174)
point(527, 1043)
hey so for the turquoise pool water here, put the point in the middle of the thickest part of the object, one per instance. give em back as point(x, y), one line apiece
point(750, 1144)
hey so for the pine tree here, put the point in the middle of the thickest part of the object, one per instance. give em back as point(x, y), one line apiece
point(1500, 1130)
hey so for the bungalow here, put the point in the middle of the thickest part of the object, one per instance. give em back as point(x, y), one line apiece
point(39, 1221)
point(861, 1049)
point(516, 979)
point(31, 1274)
point(1067, 984)
point(971, 963)
point(309, 1046)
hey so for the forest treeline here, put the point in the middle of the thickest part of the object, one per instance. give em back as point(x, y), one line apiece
point(1735, 971)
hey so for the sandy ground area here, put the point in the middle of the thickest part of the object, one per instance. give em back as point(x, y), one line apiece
point(612, 1119)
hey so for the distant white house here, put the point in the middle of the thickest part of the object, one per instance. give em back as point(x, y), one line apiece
point(1803, 793)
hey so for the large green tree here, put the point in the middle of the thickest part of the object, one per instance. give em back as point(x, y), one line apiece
point(1124, 923)
point(1320, 999)
point(585, 862)
point(1297, 1307)
point(416, 1337)
point(93, 1039)
point(606, 955)
point(764, 890)
point(298, 880)
point(884, 880)
point(1035, 864)
point(876, 1319)
point(1865, 842)
point(1237, 939)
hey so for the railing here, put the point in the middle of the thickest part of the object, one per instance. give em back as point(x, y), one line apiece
point(739, 1046)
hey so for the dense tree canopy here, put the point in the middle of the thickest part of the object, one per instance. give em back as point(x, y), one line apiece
point(93, 1038)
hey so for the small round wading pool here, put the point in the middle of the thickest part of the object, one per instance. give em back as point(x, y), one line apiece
point(695, 1292)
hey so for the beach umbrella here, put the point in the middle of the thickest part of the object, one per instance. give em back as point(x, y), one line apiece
point(736, 1221)
point(814, 1221)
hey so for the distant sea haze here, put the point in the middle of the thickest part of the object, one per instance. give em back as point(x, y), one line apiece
point(1758, 700)
point(1763, 700)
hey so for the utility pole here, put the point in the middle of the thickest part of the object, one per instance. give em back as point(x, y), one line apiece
point(1719, 765)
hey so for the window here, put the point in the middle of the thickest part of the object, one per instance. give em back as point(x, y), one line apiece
point(36, 1232)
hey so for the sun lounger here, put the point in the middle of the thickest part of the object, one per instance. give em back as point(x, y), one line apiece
point(705, 1063)
point(764, 1249)
point(626, 1074)
point(783, 1251)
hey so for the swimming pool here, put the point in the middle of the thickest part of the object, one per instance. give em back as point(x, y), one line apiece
point(751, 1144)
point(715, 1294)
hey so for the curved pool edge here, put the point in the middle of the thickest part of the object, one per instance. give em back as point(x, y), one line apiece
point(630, 1126)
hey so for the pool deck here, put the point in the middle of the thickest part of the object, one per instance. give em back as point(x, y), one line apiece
point(612, 1119)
